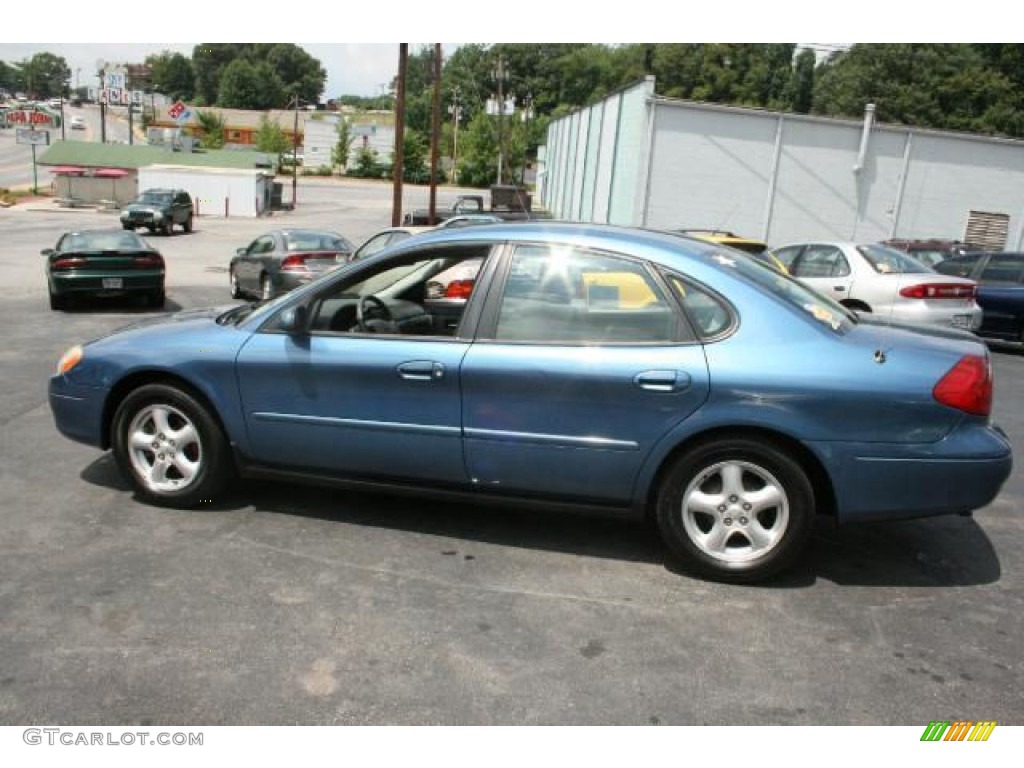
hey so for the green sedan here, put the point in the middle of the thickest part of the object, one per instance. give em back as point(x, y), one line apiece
point(104, 262)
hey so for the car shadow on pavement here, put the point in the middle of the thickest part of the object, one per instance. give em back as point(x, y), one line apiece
point(119, 305)
point(935, 552)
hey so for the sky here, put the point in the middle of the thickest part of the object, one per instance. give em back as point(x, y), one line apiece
point(365, 67)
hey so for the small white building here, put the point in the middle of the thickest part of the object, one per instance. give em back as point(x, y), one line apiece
point(215, 191)
point(640, 159)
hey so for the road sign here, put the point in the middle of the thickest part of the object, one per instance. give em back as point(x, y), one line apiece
point(179, 111)
point(33, 137)
point(31, 117)
point(115, 79)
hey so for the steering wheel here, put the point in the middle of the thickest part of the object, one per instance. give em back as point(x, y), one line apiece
point(383, 322)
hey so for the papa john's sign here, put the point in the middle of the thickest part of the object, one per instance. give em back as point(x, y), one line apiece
point(32, 118)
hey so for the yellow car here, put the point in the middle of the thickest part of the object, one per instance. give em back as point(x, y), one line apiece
point(756, 248)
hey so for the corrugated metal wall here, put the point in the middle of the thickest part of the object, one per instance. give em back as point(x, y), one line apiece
point(638, 159)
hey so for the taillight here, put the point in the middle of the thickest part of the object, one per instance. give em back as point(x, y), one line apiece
point(149, 261)
point(967, 386)
point(69, 262)
point(297, 261)
point(940, 291)
point(459, 289)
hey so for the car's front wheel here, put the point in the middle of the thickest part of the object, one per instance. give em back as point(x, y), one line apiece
point(735, 509)
point(170, 447)
point(188, 223)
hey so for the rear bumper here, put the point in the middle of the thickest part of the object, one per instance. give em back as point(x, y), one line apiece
point(960, 473)
point(92, 283)
point(933, 313)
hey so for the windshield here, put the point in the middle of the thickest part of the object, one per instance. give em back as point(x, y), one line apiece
point(154, 198)
point(308, 240)
point(112, 240)
point(888, 261)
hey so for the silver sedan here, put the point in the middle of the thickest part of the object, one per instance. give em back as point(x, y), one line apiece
point(887, 282)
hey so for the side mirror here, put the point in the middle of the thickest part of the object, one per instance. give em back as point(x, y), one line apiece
point(294, 320)
point(240, 251)
point(48, 252)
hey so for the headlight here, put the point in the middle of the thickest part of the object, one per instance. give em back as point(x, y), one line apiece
point(69, 360)
point(157, 215)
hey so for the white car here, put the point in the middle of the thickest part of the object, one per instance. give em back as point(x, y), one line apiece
point(77, 123)
point(887, 282)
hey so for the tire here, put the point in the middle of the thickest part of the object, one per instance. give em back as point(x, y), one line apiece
point(157, 298)
point(57, 301)
point(190, 463)
point(188, 223)
point(128, 227)
point(168, 227)
point(735, 510)
point(267, 291)
point(236, 289)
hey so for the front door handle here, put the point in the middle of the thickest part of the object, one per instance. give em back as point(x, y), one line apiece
point(421, 370)
point(838, 288)
point(662, 381)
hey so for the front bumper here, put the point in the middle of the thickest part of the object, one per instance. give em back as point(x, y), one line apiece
point(78, 411)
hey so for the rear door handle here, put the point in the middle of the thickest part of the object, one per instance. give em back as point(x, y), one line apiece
point(421, 370)
point(838, 288)
point(662, 381)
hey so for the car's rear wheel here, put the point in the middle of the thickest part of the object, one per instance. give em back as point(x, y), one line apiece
point(128, 227)
point(735, 509)
point(170, 447)
point(57, 301)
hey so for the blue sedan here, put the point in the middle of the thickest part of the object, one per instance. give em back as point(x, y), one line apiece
point(584, 367)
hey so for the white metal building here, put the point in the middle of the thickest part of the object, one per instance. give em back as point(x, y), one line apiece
point(215, 191)
point(639, 159)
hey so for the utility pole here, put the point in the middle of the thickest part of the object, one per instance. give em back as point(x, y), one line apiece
point(456, 112)
point(103, 109)
point(435, 132)
point(501, 75)
point(398, 164)
point(295, 151)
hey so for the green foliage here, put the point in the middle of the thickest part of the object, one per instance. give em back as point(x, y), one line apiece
point(44, 75)
point(244, 85)
point(954, 86)
point(172, 74)
point(366, 166)
point(271, 138)
point(385, 102)
point(282, 69)
point(212, 124)
point(341, 148)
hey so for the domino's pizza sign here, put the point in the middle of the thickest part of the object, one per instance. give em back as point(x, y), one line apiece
point(179, 112)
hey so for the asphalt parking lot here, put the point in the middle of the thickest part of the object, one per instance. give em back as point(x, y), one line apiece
point(297, 605)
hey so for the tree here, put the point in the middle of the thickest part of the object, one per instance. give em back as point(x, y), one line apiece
point(478, 152)
point(172, 75)
point(937, 86)
point(208, 62)
point(245, 86)
point(45, 75)
point(341, 149)
point(212, 124)
point(271, 137)
point(298, 72)
point(801, 94)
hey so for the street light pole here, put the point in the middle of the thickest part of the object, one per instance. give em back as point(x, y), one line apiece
point(295, 151)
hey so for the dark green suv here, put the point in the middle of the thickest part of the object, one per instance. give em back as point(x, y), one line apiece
point(159, 209)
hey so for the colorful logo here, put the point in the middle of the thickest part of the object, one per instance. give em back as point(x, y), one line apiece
point(959, 730)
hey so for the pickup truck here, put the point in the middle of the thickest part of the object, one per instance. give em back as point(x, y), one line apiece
point(507, 202)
